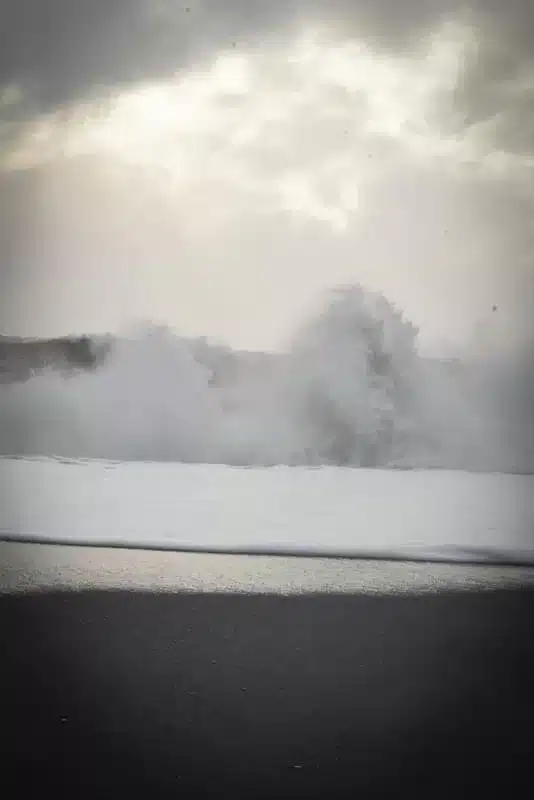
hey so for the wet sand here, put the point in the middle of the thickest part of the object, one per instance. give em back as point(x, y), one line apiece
point(117, 692)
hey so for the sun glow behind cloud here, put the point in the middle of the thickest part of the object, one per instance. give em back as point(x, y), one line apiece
point(301, 126)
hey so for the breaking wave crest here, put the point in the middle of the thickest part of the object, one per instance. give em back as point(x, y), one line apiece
point(350, 390)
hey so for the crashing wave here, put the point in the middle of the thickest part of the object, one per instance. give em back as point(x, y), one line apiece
point(351, 390)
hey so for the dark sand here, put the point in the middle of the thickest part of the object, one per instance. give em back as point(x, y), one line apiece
point(119, 693)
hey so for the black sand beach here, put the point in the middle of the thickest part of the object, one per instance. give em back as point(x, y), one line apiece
point(140, 694)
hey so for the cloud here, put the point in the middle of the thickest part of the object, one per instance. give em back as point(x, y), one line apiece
point(59, 52)
point(301, 124)
point(222, 146)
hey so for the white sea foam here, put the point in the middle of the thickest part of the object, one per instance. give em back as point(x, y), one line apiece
point(350, 390)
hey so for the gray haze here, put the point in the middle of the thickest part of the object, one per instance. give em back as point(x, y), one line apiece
point(217, 165)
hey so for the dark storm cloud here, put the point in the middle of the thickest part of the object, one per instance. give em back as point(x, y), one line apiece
point(58, 51)
point(61, 49)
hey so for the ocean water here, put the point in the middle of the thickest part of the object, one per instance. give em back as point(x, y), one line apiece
point(351, 389)
point(350, 441)
point(420, 514)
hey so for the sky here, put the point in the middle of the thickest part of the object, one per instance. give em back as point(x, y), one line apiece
point(217, 165)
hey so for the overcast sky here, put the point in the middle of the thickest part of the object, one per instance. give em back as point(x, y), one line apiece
point(216, 165)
